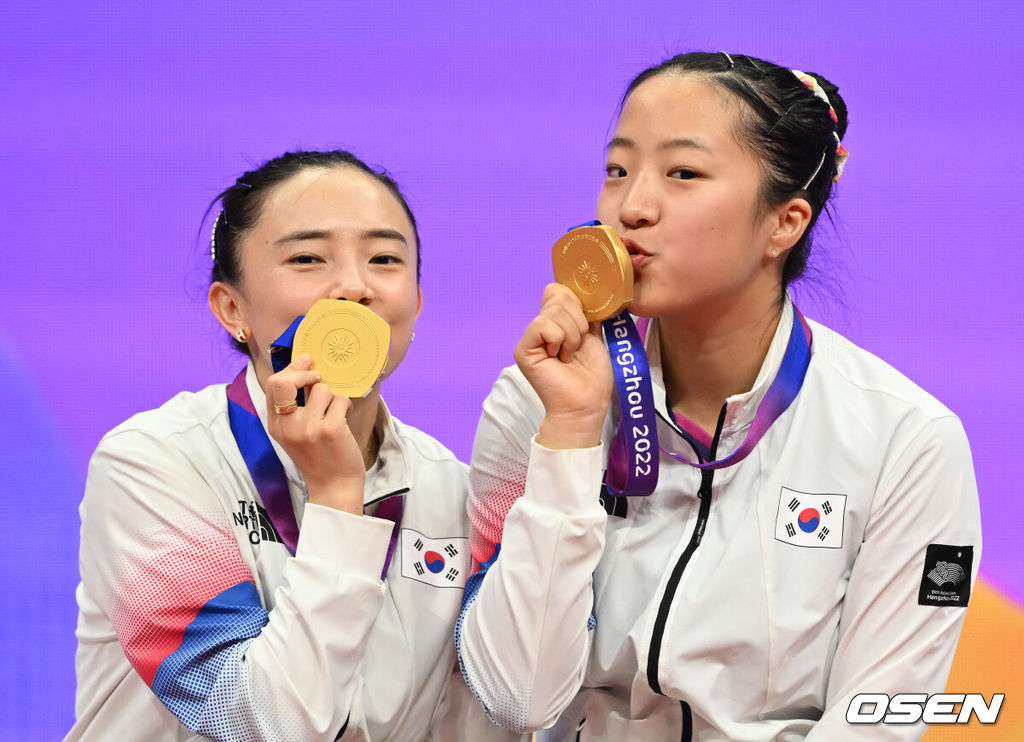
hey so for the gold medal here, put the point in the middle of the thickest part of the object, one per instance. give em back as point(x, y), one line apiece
point(349, 345)
point(593, 262)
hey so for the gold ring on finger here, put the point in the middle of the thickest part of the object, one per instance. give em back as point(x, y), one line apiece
point(287, 408)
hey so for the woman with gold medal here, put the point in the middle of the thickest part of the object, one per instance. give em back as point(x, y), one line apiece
point(725, 521)
point(280, 558)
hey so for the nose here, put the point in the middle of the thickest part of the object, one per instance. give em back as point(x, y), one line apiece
point(639, 207)
point(351, 284)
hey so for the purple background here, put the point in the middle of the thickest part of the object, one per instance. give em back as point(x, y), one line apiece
point(118, 126)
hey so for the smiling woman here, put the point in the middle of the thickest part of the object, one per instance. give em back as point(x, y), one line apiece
point(256, 568)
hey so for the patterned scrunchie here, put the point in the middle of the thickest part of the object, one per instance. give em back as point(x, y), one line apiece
point(841, 152)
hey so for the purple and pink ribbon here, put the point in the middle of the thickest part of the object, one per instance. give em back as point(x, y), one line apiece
point(627, 474)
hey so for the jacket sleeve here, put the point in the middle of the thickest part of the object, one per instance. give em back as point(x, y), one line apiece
point(459, 718)
point(538, 534)
point(158, 552)
point(893, 638)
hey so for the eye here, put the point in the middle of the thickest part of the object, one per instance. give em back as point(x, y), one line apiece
point(614, 171)
point(305, 259)
point(386, 259)
point(683, 173)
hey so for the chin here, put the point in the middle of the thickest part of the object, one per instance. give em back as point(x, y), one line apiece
point(395, 360)
point(642, 306)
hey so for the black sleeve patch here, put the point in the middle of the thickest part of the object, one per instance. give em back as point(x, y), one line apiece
point(947, 575)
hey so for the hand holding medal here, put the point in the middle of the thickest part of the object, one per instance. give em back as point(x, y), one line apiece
point(592, 261)
point(342, 348)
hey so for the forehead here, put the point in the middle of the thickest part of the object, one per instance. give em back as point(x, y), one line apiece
point(671, 106)
point(338, 197)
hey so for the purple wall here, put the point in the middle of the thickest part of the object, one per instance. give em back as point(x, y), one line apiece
point(118, 128)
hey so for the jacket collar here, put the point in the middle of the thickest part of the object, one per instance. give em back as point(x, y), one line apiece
point(739, 408)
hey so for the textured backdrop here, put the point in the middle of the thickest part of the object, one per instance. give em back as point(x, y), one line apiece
point(120, 123)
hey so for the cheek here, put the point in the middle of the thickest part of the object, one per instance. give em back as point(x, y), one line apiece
point(723, 221)
point(278, 292)
point(404, 304)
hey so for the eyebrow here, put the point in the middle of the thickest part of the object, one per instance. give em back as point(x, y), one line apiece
point(303, 234)
point(323, 234)
point(667, 144)
point(384, 233)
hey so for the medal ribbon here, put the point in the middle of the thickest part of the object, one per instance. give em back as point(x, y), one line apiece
point(267, 472)
point(261, 460)
point(633, 456)
point(281, 349)
point(777, 399)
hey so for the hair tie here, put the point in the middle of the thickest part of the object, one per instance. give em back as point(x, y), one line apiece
point(841, 152)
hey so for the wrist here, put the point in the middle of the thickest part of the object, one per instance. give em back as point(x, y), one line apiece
point(563, 432)
point(345, 495)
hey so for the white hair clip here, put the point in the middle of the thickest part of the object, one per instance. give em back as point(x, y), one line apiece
point(213, 237)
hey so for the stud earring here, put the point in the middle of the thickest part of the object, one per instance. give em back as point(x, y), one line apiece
point(240, 336)
point(774, 252)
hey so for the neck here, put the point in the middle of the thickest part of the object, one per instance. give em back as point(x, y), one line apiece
point(709, 357)
point(362, 421)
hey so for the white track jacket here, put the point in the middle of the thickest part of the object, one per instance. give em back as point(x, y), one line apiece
point(195, 620)
point(748, 604)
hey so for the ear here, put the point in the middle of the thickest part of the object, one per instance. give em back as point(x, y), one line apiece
point(226, 304)
point(419, 301)
point(790, 222)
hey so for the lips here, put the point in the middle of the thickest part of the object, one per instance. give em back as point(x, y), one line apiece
point(637, 255)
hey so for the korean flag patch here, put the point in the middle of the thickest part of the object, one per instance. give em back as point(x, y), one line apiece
point(440, 562)
point(810, 521)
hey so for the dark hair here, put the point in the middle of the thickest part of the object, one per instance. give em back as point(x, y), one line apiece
point(783, 122)
point(241, 205)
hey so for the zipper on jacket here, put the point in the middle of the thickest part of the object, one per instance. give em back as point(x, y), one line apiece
point(687, 735)
point(403, 491)
point(704, 494)
point(344, 727)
